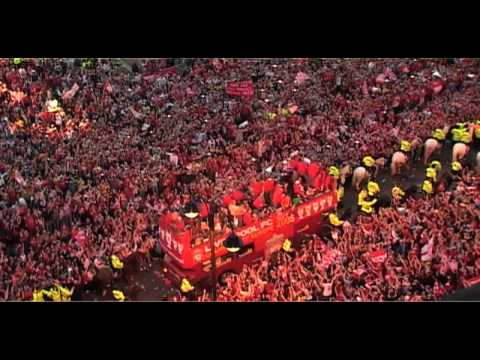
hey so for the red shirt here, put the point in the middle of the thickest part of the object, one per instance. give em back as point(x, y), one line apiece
point(248, 219)
point(286, 202)
point(238, 195)
point(228, 200)
point(12, 195)
point(256, 188)
point(313, 170)
point(302, 168)
point(203, 210)
point(318, 182)
point(268, 185)
point(277, 195)
point(293, 164)
point(259, 202)
point(298, 189)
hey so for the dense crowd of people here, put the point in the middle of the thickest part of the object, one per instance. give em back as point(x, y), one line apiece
point(92, 154)
point(419, 252)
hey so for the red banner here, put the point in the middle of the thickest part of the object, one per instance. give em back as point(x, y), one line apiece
point(240, 88)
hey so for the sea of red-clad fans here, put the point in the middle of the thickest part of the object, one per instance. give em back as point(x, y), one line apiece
point(420, 252)
point(92, 155)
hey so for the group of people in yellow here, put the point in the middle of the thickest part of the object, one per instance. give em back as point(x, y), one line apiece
point(56, 293)
point(59, 293)
point(368, 197)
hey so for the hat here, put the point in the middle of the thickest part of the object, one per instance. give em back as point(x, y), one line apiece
point(287, 246)
point(334, 220)
point(456, 166)
point(369, 161)
point(438, 134)
point(427, 187)
point(436, 165)
point(397, 192)
point(431, 173)
point(405, 146)
point(373, 188)
point(333, 171)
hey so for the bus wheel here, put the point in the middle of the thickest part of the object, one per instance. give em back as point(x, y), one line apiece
point(222, 279)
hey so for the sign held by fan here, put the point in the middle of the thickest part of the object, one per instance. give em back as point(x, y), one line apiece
point(240, 88)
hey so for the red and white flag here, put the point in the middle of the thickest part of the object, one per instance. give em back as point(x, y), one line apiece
point(301, 78)
point(436, 86)
point(427, 251)
point(17, 96)
point(378, 257)
point(19, 179)
point(70, 93)
point(357, 273)
point(327, 289)
point(293, 109)
point(136, 114)
point(390, 74)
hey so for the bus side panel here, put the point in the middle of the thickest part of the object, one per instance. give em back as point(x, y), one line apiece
point(309, 215)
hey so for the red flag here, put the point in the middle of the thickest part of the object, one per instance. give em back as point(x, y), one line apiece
point(240, 88)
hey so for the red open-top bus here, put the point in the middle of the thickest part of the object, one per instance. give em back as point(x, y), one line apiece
point(187, 252)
